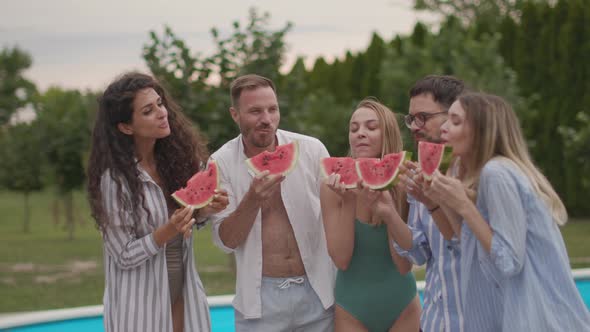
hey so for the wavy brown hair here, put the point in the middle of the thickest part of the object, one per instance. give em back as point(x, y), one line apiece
point(178, 156)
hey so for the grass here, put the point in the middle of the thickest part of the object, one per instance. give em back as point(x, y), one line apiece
point(43, 270)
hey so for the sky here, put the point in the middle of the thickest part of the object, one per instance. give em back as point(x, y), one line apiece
point(84, 44)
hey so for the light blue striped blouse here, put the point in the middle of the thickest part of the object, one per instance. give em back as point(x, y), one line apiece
point(442, 305)
point(525, 283)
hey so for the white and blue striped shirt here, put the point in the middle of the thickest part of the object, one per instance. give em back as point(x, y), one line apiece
point(442, 300)
point(525, 283)
point(136, 295)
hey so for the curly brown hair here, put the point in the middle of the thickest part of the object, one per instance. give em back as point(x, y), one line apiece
point(178, 156)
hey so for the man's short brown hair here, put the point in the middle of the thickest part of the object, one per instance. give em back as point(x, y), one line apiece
point(248, 82)
point(444, 89)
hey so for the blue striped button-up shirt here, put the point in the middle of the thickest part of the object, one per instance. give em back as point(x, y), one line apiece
point(525, 283)
point(442, 305)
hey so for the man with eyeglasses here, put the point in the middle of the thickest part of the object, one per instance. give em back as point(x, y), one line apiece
point(430, 99)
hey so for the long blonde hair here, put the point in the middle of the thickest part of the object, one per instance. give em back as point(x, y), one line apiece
point(496, 133)
point(391, 142)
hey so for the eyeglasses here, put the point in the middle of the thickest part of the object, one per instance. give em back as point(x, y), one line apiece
point(420, 118)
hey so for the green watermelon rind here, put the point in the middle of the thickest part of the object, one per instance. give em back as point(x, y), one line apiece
point(447, 159)
point(325, 174)
point(287, 171)
point(407, 156)
point(212, 163)
point(442, 164)
point(390, 183)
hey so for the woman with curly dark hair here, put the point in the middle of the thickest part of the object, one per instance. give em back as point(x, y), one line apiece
point(144, 149)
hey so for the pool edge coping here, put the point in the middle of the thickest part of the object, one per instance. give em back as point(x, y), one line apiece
point(47, 316)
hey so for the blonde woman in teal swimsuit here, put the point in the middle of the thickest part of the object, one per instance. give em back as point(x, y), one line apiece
point(375, 290)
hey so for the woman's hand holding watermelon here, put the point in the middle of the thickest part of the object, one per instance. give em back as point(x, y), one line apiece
point(218, 204)
point(447, 191)
point(384, 205)
point(182, 221)
point(381, 202)
point(333, 181)
point(367, 196)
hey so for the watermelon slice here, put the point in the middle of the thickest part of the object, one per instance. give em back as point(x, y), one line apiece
point(433, 156)
point(381, 174)
point(200, 189)
point(281, 161)
point(345, 166)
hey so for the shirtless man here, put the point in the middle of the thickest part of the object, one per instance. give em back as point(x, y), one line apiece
point(285, 277)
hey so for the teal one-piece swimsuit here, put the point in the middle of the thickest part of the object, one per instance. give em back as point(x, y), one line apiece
point(372, 289)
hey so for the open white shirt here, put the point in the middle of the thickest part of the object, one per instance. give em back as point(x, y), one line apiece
point(300, 192)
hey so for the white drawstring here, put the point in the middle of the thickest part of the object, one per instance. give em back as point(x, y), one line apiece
point(287, 283)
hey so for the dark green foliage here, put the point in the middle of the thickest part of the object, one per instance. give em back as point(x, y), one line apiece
point(548, 47)
point(20, 163)
point(64, 126)
point(15, 89)
point(534, 53)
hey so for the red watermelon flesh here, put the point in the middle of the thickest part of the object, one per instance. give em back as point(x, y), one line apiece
point(433, 156)
point(281, 161)
point(345, 166)
point(200, 189)
point(380, 174)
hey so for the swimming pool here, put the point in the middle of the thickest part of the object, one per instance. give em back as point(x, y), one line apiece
point(89, 319)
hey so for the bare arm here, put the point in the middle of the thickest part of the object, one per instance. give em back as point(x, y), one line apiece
point(404, 265)
point(397, 229)
point(234, 229)
point(338, 214)
point(181, 221)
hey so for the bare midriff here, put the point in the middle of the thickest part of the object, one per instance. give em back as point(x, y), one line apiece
point(280, 253)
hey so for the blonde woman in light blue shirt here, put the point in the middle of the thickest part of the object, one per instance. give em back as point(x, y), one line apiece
point(515, 273)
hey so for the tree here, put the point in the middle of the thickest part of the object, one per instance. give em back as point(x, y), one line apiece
point(371, 82)
point(319, 76)
point(184, 75)
point(15, 89)
point(320, 116)
point(577, 149)
point(250, 49)
point(485, 15)
point(65, 130)
point(292, 93)
point(20, 163)
point(453, 51)
point(544, 46)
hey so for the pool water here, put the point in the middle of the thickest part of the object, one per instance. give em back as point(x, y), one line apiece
point(222, 318)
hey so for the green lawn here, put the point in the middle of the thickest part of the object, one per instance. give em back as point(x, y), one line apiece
point(43, 270)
